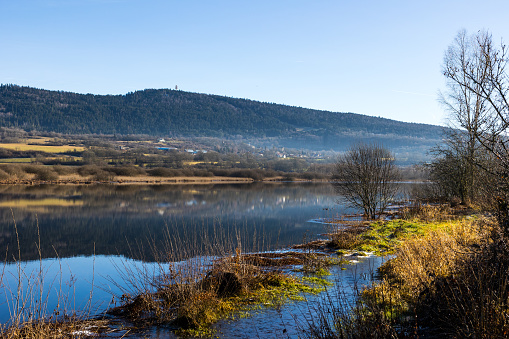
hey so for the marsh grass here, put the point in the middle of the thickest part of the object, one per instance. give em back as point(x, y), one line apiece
point(338, 315)
point(193, 296)
point(383, 237)
point(203, 277)
point(450, 280)
point(26, 295)
point(449, 277)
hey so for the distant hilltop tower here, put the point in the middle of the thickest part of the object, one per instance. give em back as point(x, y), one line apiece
point(176, 87)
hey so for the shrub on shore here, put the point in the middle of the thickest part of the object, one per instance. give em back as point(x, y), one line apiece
point(64, 170)
point(254, 174)
point(43, 173)
point(88, 170)
point(4, 175)
point(15, 171)
point(127, 171)
point(164, 172)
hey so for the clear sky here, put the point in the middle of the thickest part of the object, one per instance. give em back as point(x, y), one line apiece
point(380, 58)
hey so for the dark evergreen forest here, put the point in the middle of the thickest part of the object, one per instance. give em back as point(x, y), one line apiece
point(164, 112)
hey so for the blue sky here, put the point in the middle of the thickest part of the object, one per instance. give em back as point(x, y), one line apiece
point(380, 58)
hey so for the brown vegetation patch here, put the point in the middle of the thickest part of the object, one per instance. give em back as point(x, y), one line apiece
point(194, 305)
point(344, 237)
point(454, 281)
point(278, 259)
point(432, 212)
point(194, 302)
point(312, 245)
point(56, 329)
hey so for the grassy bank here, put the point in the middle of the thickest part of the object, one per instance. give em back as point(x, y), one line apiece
point(448, 277)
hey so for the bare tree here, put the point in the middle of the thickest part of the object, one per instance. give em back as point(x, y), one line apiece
point(457, 167)
point(459, 176)
point(476, 71)
point(367, 176)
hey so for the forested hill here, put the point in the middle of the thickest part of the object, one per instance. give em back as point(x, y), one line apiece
point(177, 113)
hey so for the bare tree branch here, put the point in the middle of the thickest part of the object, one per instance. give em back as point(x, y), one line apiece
point(367, 176)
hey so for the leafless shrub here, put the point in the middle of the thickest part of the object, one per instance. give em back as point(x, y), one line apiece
point(88, 170)
point(164, 172)
point(14, 170)
point(366, 177)
point(44, 173)
point(4, 175)
point(128, 171)
point(64, 170)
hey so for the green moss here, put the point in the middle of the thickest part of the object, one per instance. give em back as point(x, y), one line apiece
point(368, 248)
point(321, 272)
point(195, 332)
point(317, 281)
point(383, 237)
point(275, 294)
point(290, 289)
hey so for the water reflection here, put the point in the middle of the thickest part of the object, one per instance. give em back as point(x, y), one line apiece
point(132, 220)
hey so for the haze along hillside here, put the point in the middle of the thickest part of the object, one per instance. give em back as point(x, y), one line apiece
point(165, 112)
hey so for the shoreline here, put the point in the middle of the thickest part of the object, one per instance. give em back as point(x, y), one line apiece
point(316, 257)
point(148, 180)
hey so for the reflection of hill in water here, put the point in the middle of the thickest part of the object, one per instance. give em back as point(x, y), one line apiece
point(130, 220)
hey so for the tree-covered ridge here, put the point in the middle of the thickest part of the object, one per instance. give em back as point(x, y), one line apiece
point(172, 112)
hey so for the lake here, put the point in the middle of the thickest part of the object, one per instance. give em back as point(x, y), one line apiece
point(80, 239)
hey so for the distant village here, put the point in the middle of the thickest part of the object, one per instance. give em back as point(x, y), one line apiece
point(241, 148)
point(206, 145)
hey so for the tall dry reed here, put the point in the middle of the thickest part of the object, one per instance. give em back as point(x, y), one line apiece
point(26, 295)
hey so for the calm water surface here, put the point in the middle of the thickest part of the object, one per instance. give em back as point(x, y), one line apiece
point(82, 237)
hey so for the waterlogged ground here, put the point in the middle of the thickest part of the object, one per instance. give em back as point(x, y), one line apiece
point(291, 319)
point(84, 244)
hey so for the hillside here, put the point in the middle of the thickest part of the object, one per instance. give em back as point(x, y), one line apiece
point(176, 113)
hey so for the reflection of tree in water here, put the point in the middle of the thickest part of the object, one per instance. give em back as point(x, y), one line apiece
point(132, 220)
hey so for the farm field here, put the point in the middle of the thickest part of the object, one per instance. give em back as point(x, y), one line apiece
point(41, 148)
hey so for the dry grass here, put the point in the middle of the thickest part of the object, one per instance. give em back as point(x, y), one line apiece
point(453, 282)
point(449, 278)
point(421, 260)
point(192, 297)
point(428, 212)
point(41, 148)
point(68, 328)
